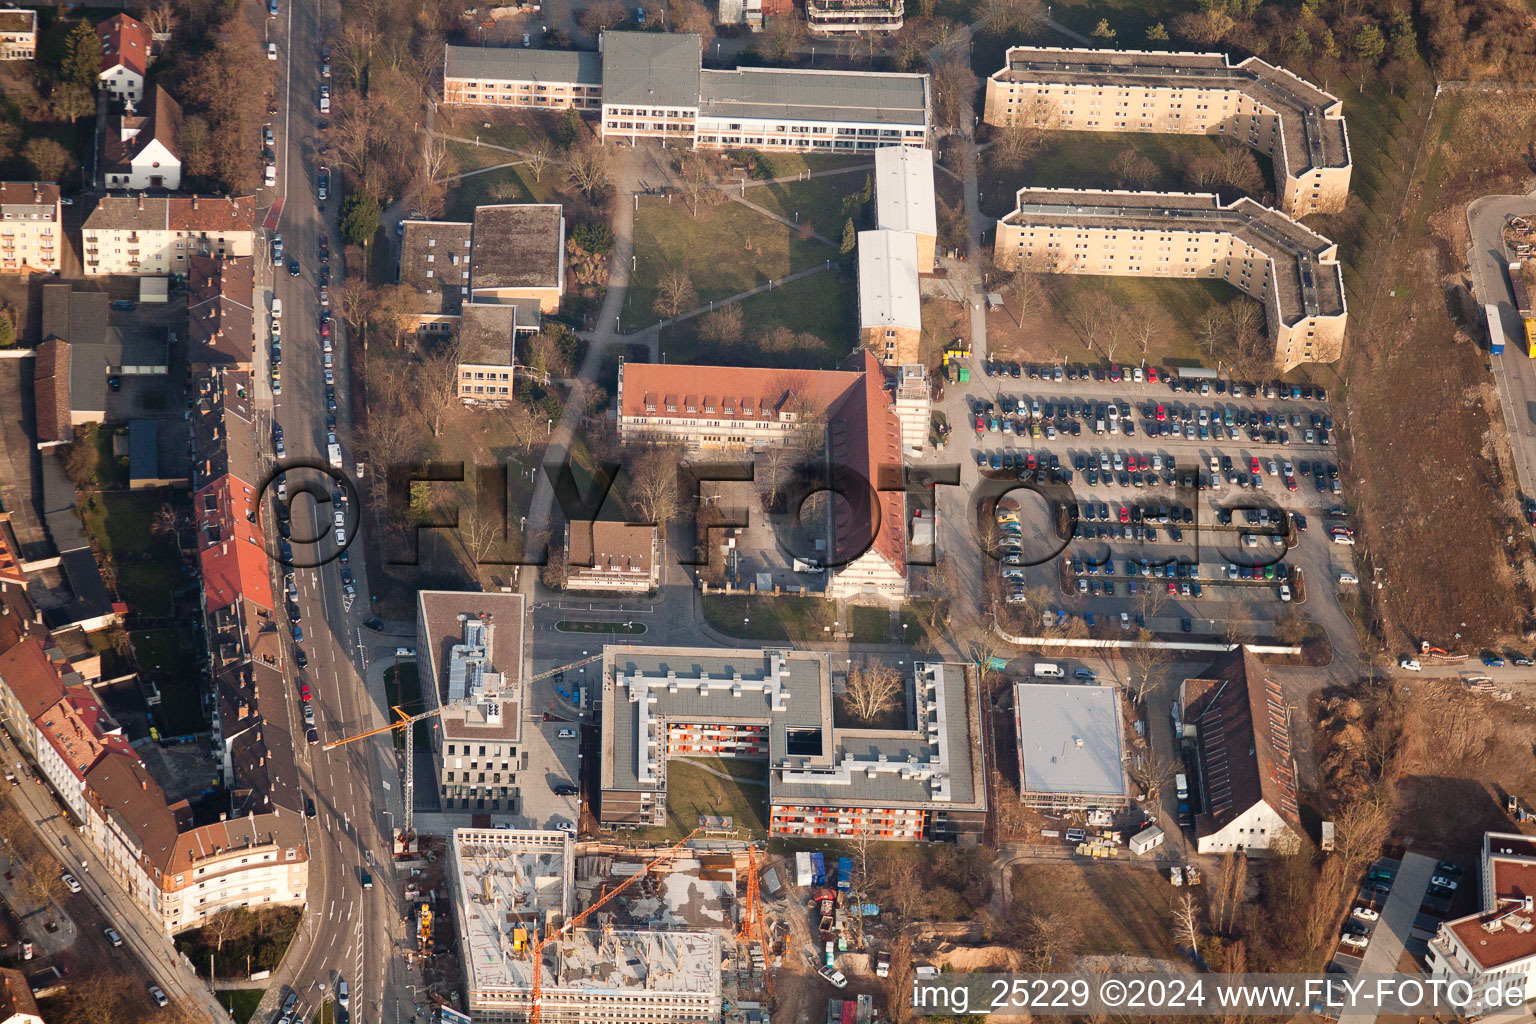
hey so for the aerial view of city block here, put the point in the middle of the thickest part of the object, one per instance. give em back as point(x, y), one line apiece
point(767, 511)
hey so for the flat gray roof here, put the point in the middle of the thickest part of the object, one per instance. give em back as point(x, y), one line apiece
point(651, 68)
point(1069, 740)
point(904, 190)
point(889, 280)
point(518, 245)
point(803, 95)
point(509, 63)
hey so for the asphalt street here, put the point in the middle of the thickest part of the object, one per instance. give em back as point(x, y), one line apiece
point(1514, 372)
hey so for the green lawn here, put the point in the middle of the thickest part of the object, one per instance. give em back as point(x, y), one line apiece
point(769, 618)
point(824, 306)
point(727, 249)
point(467, 158)
point(147, 563)
point(736, 767)
point(1083, 160)
point(1175, 304)
point(507, 185)
point(824, 203)
point(241, 1002)
point(692, 792)
point(163, 655)
point(871, 625)
point(785, 165)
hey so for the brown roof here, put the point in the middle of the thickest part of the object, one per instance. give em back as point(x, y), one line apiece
point(1244, 742)
point(15, 994)
point(221, 325)
point(75, 726)
point(214, 214)
point(161, 122)
point(124, 41)
point(438, 617)
point(42, 197)
point(865, 434)
point(121, 788)
point(1506, 932)
point(224, 837)
point(50, 391)
point(518, 246)
point(18, 21)
point(610, 546)
point(434, 261)
point(31, 677)
point(487, 333)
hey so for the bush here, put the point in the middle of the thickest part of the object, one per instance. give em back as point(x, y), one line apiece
point(594, 238)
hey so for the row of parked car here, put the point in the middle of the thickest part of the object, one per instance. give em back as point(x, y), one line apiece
point(1117, 374)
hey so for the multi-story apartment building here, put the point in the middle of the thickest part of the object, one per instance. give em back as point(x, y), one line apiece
point(653, 85)
point(74, 735)
point(477, 76)
point(470, 653)
point(221, 324)
point(1261, 252)
point(125, 43)
point(160, 234)
point(18, 34)
point(612, 556)
point(834, 17)
point(922, 781)
point(730, 408)
point(1496, 946)
point(1299, 126)
point(31, 227)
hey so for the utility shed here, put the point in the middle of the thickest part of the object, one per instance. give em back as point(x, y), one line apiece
point(1071, 747)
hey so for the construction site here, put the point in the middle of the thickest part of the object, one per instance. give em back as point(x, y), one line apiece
point(552, 932)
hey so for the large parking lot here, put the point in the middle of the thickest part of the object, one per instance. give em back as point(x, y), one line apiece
point(1180, 504)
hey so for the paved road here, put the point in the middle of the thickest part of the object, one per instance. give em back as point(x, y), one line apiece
point(1514, 372)
point(348, 932)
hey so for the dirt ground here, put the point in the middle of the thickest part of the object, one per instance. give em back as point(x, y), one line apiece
point(1119, 910)
point(1422, 438)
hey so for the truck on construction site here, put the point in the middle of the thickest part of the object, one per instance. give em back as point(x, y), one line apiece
point(1517, 285)
point(1495, 329)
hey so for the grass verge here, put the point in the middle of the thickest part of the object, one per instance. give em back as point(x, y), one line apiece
point(241, 1003)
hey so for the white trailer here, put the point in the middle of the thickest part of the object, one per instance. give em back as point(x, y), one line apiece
point(1147, 839)
point(803, 870)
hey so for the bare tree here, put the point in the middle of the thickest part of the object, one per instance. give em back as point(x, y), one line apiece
point(653, 491)
point(1010, 17)
point(482, 524)
point(436, 163)
point(1152, 771)
point(601, 16)
point(43, 884)
point(1228, 892)
point(674, 292)
point(955, 86)
point(229, 924)
point(521, 424)
point(1132, 169)
point(1210, 328)
point(1050, 940)
point(438, 383)
point(898, 985)
point(871, 691)
point(1186, 922)
point(588, 168)
point(538, 154)
point(697, 179)
point(1143, 330)
point(1142, 662)
point(1359, 833)
point(161, 19)
point(1025, 133)
point(723, 326)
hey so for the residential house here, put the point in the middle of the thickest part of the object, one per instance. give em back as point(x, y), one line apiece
point(612, 556)
point(18, 34)
point(75, 734)
point(143, 151)
point(31, 227)
point(160, 234)
point(17, 1005)
point(81, 350)
point(125, 49)
point(1245, 788)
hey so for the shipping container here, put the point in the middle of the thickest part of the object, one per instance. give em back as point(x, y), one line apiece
point(850, 1011)
point(803, 869)
point(818, 869)
point(844, 874)
point(1517, 284)
point(834, 1011)
point(1495, 329)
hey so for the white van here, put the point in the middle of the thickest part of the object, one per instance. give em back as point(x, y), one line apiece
point(343, 995)
point(1046, 670)
point(277, 309)
point(1181, 784)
